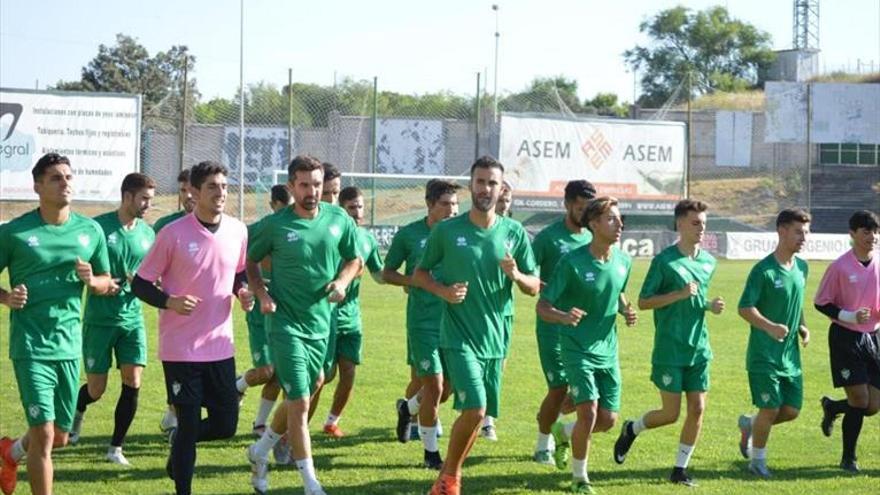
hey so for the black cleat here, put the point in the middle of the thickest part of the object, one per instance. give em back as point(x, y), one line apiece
point(403, 419)
point(680, 476)
point(169, 467)
point(433, 460)
point(849, 465)
point(624, 442)
point(828, 417)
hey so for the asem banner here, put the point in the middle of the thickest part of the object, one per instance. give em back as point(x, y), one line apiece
point(99, 133)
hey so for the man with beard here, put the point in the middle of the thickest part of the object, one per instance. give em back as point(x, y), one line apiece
point(115, 325)
point(482, 256)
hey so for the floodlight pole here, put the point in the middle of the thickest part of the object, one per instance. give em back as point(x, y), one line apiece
point(241, 114)
point(497, 38)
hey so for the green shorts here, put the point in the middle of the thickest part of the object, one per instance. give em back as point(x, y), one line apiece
point(772, 391)
point(424, 353)
point(298, 363)
point(476, 382)
point(349, 345)
point(550, 355)
point(507, 333)
point(100, 341)
point(48, 390)
point(678, 379)
point(586, 381)
point(257, 338)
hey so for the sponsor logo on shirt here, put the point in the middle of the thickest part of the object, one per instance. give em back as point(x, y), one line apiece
point(423, 242)
point(111, 239)
point(84, 240)
point(589, 277)
point(33, 241)
point(292, 236)
point(564, 248)
point(193, 248)
point(461, 241)
point(335, 231)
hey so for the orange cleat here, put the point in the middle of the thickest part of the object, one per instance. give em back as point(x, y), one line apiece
point(446, 485)
point(8, 467)
point(333, 431)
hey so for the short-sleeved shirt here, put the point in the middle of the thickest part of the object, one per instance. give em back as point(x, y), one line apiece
point(162, 222)
point(681, 337)
point(306, 254)
point(849, 285)
point(471, 254)
point(581, 281)
point(550, 245)
point(126, 249)
point(190, 259)
point(423, 309)
point(778, 294)
point(43, 257)
point(350, 307)
point(509, 309)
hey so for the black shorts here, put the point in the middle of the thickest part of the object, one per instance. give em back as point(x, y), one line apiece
point(855, 357)
point(207, 384)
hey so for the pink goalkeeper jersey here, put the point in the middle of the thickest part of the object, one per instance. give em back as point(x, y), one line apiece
point(189, 259)
point(850, 285)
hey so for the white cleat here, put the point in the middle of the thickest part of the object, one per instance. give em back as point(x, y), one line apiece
point(488, 432)
point(259, 471)
point(115, 455)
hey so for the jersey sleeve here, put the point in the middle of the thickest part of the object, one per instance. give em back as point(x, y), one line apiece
point(259, 240)
point(433, 249)
point(653, 280)
point(5, 247)
point(158, 258)
point(397, 251)
point(348, 248)
point(829, 286)
point(629, 265)
point(752, 291)
point(558, 282)
point(100, 259)
point(373, 261)
point(538, 249)
point(242, 255)
point(525, 258)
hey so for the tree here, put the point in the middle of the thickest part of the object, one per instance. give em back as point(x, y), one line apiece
point(607, 104)
point(709, 48)
point(545, 94)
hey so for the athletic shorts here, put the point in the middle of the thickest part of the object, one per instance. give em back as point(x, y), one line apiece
point(586, 381)
point(424, 353)
point(349, 345)
point(855, 357)
point(209, 384)
point(678, 379)
point(48, 390)
point(550, 355)
point(772, 391)
point(257, 338)
point(100, 342)
point(476, 382)
point(298, 363)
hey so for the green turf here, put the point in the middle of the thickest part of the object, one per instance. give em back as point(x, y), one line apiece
point(369, 460)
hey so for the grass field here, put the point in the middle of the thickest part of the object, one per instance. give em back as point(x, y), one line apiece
point(369, 460)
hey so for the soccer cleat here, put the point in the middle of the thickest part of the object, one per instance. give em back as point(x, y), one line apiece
point(168, 422)
point(73, 436)
point(544, 457)
point(489, 433)
point(433, 460)
point(446, 485)
point(8, 466)
point(581, 486)
point(680, 476)
point(850, 465)
point(760, 470)
point(560, 456)
point(259, 471)
point(745, 438)
point(281, 452)
point(624, 442)
point(258, 430)
point(169, 466)
point(414, 434)
point(333, 431)
point(403, 419)
point(828, 417)
point(115, 455)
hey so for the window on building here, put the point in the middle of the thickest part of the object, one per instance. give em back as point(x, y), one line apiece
point(849, 154)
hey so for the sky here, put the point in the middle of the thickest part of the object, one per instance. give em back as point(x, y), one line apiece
point(412, 46)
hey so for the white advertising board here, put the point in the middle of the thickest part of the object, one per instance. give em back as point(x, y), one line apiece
point(757, 245)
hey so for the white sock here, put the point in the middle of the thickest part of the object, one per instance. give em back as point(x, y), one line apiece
point(759, 454)
point(17, 452)
point(263, 411)
point(639, 426)
point(439, 427)
point(488, 421)
point(684, 455)
point(429, 437)
point(579, 469)
point(543, 442)
point(241, 384)
point(266, 442)
point(307, 471)
point(331, 420)
point(414, 403)
point(568, 428)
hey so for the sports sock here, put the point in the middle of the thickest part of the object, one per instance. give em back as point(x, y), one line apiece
point(638, 426)
point(488, 421)
point(332, 419)
point(568, 428)
point(307, 471)
point(852, 427)
point(759, 454)
point(126, 407)
point(414, 403)
point(429, 437)
point(241, 384)
point(17, 452)
point(84, 399)
point(579, 469)
point(683, 456)
point(263, 411)
point(543, 442)
point(266, 442)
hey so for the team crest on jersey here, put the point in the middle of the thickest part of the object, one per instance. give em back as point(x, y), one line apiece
point(778, 284)
point(287, 388)
point(765, 397)
point(90, 363)
point(292, 236)
point(667, 379)
point(426, 364)
point(111, 239)
point(334, 230)
point(853, 278)
point(33, 241)
point(589, 277)
point(461, 241)
point(257, 356)
point(84, 240)
point(34, 410)
point(462, 395)
point(575, 391)
point(508, 244)
point(423, 242)
point(845, 373)
point(193, 248)
point(564, 248)
point(175, 388)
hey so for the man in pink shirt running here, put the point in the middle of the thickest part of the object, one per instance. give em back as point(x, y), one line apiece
point(849, 295)
point(200, 260)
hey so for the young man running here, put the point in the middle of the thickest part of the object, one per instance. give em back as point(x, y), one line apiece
point(482, 255)
point(849, 295)
point(428, 386)
point(115, 325)
point(676, 288)
point(51, 254)
point(773, 304)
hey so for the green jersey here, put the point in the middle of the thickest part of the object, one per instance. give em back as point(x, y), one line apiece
point(581, 281)
point(306, 254)
point(350, 308)
point(508, 305)
point(423, 309)
point(778, 294)
point(43, 258)
point(167, 219)
point(125, 248)
point(472, 255)
point(550, 245)
point(680, 334)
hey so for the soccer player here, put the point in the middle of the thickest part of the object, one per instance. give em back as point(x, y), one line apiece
point(583, 298)
point(773, 304)
point(313, 247)
point(51, 253)
point(676, 288)
point(184, 198)
point(349, 337)
point(115, 325)
point(849, 295)
point(423, 313)
point(550, 245)
point(262, 373)
point(200, 260)
point(482, 256)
